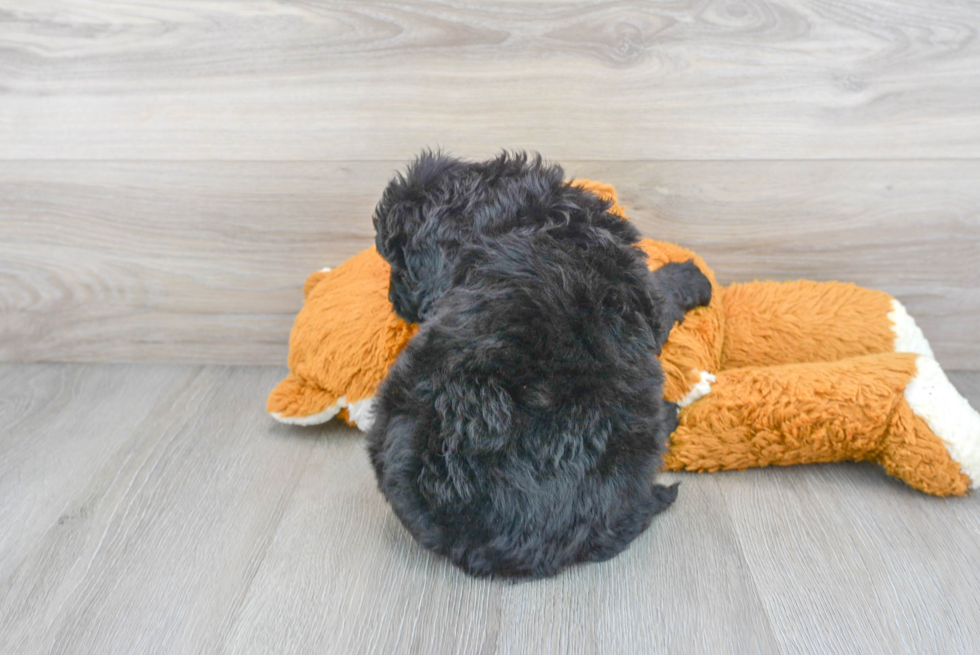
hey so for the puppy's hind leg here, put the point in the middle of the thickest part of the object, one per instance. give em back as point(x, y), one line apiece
point(612, 540)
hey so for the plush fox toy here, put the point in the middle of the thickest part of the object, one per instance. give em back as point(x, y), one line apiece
point(769, 373)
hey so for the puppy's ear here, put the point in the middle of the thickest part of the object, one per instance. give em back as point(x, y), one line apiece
point(415, 289)
point(408, 200)
point(407, 224)
point(419, 277)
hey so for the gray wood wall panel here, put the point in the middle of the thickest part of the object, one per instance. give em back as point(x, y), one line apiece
point(204, 261)
point(169, 173)
point(328, 80)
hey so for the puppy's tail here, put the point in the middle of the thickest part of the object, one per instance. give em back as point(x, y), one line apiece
point(664, 496)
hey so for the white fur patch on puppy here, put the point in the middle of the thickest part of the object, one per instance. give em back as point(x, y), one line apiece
point(700, 390)
point(948, 414)
point(908, 335)
point(361, 413)
point(313, 419)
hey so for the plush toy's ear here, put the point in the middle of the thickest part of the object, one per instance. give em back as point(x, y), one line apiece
point(604, 191)
point(314, 280)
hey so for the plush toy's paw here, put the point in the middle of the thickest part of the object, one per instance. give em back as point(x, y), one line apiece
point(908, 336)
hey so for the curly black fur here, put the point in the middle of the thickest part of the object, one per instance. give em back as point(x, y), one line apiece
point(521, 429)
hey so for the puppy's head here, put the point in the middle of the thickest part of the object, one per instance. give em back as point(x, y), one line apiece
point(406, 222)
point(442, 203)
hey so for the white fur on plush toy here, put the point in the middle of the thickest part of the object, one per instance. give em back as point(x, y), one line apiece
point(700, 390)
point(361, 412)
point(908, 336)
point(948, 414)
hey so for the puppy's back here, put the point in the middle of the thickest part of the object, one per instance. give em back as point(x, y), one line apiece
point(521, 429)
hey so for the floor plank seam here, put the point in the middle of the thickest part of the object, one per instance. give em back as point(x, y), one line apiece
point(138, 433)
point(73, 496)
point(748, 565)
point(235, 616)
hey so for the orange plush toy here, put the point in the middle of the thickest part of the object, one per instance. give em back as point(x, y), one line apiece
point(769, 373)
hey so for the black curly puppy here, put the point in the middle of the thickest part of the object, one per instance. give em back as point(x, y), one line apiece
point(521, 429)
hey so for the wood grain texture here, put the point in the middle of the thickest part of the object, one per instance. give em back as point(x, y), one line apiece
point(204, 261)
point(344, 576)
point(171, 172)
point(156, 551)
point(352, 80)
point(849, 560)
point(59, 426)
point(207, 527)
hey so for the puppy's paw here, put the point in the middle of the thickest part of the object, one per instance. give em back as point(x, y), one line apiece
point(693, 286)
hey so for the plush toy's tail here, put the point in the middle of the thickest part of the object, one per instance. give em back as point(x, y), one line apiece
point(897, 409)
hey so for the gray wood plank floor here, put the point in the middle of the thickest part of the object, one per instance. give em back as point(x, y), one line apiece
point(155, 508)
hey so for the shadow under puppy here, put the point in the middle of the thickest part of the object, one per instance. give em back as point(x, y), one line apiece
point(521, 429)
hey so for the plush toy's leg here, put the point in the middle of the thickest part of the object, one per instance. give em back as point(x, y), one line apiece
point(895, 409)
point(769, 323)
